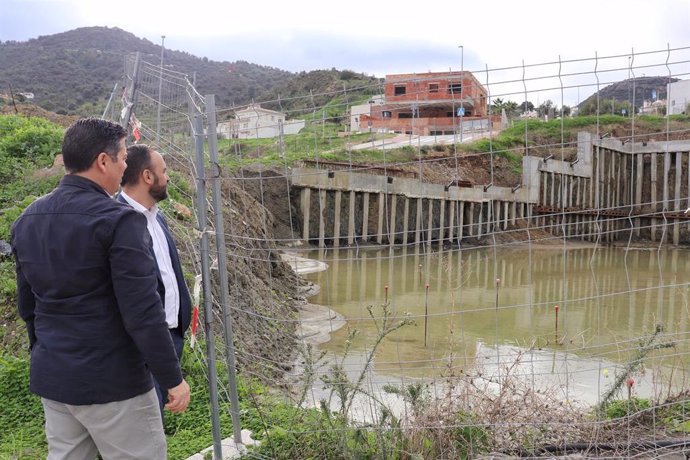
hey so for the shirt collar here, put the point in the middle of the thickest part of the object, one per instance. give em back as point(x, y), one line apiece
point(138, 206)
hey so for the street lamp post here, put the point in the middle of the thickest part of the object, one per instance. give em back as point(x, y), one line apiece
point(160, 92)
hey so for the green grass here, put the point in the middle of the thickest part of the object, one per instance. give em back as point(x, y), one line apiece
point(624, 407)
point(22, 434)
point(292, 432)
point(21, 413)
point(319, 139)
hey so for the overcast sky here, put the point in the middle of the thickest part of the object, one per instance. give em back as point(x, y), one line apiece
point(379, 37)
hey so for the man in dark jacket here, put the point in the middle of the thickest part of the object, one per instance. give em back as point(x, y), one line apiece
point(87, 290)
point(145, 183)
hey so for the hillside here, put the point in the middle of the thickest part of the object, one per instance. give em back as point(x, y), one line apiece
point(74, 72)
point(644, 89)
point(32, 110)
point(334, 87)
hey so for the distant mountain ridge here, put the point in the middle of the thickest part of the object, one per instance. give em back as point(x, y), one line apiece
point(74, 72)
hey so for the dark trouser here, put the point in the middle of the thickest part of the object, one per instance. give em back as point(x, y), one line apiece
point(178, 342)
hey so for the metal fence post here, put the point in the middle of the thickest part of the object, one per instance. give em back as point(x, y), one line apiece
point(110, 102)
point(222, 263)
point(206, 277)
point(132, 91)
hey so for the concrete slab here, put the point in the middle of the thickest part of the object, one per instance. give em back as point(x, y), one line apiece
point(229, 448)
point(302, 265)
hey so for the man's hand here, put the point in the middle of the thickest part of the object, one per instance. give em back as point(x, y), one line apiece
point(178, 398)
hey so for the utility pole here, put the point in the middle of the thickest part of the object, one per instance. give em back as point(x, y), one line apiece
point(160, 92)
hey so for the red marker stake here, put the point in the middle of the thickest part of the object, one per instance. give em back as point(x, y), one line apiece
point(556, 333)
point(629, 383)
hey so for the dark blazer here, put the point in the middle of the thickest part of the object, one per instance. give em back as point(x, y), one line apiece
point(87, 290)
point(184, 316)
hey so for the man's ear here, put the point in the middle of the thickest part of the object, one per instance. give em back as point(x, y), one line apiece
point(101, 161)
point(147, 176)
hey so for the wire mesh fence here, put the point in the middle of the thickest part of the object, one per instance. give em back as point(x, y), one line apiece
point(445, 326)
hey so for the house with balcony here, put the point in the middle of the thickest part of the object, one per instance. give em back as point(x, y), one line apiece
point(256, 122)
point(428, 104)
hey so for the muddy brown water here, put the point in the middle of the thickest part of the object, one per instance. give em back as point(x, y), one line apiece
point(480, 310)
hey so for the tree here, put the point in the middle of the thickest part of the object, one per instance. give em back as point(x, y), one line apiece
point(496, 106)
point(546, 108)
point(526, 106)
point(605, 107)
point(511, 108)
point(499, 105)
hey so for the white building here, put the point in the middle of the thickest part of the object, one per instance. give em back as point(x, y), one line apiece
point(678, 97)
point(653, 107)
point(255, 122)
point(364, 109)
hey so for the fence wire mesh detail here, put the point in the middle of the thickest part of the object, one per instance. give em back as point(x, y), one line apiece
point(468, 306)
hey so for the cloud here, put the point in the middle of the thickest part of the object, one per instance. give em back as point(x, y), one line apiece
point(384, 37)
point(311, 51)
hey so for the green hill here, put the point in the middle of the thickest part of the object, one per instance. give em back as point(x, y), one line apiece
point(634, 90)
point(74, 72)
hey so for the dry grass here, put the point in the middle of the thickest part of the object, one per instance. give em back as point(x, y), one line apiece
point(481, 414)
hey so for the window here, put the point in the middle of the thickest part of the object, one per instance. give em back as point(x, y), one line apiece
point(399, 90)
point(405, 115)
point(433, 87)
point(455, 88)
point(386, 114)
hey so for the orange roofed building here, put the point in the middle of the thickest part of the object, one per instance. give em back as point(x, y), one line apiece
point(425, 104)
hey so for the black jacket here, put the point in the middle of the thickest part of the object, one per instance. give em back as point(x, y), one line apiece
point(87, 289)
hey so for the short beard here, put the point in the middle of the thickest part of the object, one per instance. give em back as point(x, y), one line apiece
point(157, 191)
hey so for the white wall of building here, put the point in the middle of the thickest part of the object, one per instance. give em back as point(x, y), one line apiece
point(363, 109)
point(678, 97)
point(255, 122)
point(293, 126)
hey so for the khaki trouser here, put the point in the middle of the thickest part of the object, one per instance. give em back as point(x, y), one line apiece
point(120, 430)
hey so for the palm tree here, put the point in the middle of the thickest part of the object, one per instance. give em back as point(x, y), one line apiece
point(511, 107)
point(497, 106)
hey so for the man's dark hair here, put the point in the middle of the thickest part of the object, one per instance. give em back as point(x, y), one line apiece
point(86, 139)
point(138, 159)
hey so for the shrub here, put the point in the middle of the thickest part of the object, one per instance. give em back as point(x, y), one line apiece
point(624, 407)
point(35, 139)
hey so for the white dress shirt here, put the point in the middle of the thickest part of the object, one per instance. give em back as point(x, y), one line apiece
point(162, 252)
